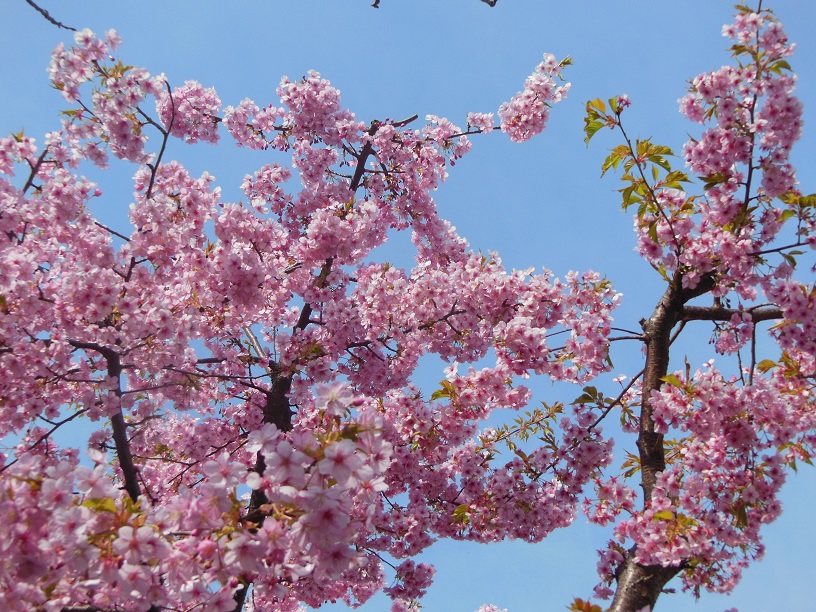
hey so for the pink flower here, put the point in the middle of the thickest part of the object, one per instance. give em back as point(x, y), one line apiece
point(334, 398)
point(223, 472)
point(481, 121)
point(190, 112)
point(526, 114)
point(286, 465)
point(340, 460)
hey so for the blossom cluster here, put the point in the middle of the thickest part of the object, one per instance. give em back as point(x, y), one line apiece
point(248, 365)
point(754, 119)
point(97, 547)
point(729, 439)
point(526, 114)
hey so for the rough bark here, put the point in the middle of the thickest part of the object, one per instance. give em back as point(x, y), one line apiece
point(639, 585)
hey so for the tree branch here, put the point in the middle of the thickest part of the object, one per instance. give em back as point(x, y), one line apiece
point(34, 169)
point(48, 16)
point(45, 436)
point(118, 424)
point(154, 167)
point(719, 313)
point(639, 586)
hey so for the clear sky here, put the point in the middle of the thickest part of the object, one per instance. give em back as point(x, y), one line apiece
point(538, 204)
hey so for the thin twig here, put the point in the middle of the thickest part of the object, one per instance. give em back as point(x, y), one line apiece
point(34, 169)
point(618, 400)
point(48, 17)
point(46, 435)
point(154, 168)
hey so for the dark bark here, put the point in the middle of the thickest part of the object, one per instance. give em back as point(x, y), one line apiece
point(640, 585)
point(718, 313)
point(277, 411)
point(118, 425)
point(48, 16)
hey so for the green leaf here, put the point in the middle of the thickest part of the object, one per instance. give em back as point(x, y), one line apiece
point(591, 128)
point(461, 514)
point(100, 504)
point(628, 197)
point(779, 65)
point(674, 178)
point(611, 161)
point(713, 180)
point(597, 104)
point(789, 258)
point(447, 390)
point(740, 515)
point(660, 161)
point(789, 197)
point(765, 365)
point(797, 199)
point(653, 232)
point(672, 380)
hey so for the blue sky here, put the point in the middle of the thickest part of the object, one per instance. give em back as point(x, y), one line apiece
point(538, 204)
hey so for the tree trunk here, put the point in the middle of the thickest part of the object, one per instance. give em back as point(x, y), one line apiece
point(639, 586)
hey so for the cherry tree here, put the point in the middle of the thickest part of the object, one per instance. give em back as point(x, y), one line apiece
point(258, 443)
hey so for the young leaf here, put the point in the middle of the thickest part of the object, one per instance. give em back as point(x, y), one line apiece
point(672, 380)
point(591, 128)
point(664, 515)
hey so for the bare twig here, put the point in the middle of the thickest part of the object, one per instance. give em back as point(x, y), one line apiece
point(34, 169)
point(46, 435)
point(154, 168)
point(48, 16)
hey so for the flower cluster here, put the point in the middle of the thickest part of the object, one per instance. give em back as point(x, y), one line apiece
point(249, 364)
point(190, 112)
point(526, 114)
point(709, 507)
point(246, 457)
point(754, 119)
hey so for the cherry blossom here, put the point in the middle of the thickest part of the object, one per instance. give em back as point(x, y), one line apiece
point(247, 366)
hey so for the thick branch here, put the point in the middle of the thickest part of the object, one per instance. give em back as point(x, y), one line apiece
point(657, 336)
point(118, 424)
point(277, 409)
point(718, 313)
point(639, 586)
